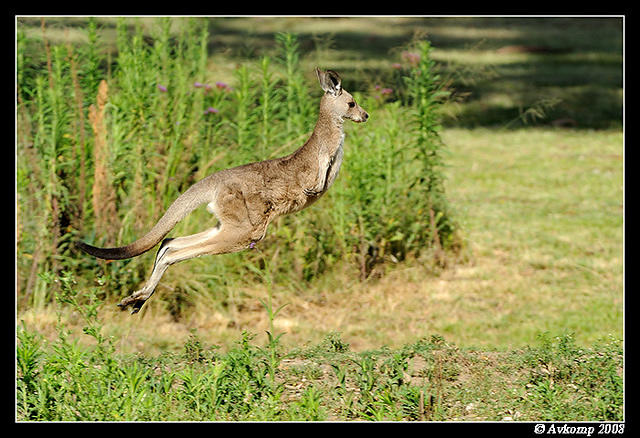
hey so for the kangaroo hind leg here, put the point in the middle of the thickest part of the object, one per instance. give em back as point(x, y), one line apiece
point(217, 240)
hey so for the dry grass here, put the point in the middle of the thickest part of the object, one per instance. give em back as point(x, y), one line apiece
point(104, 196)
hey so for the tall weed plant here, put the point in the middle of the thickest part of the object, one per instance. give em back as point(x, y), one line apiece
point(427, 93)
point(105, 145)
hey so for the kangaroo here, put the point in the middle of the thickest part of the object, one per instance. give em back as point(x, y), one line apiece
point(245, 199)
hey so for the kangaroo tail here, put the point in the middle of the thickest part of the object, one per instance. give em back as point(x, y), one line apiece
point(195, 196)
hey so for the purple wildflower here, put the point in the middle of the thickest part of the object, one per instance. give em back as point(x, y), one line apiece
point(162, 88)
point(396, 66)
point(412, 58)
point(386, 91)
point(211, 110)
point(252, 245)
point(198, 84)
point(223, 86)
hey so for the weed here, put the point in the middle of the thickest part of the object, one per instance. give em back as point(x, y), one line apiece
point(563, 378)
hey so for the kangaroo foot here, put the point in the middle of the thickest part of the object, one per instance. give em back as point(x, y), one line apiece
point(136, 300)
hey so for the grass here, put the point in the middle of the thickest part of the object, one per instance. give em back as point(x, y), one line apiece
point(554, 251)
point(428, 380)
point(527, 312)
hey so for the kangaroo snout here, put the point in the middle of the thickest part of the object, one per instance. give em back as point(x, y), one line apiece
point(357, 114)
point(360, 118)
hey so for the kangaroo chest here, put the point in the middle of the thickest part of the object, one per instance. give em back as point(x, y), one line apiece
point(295, 197)
point(329, 166)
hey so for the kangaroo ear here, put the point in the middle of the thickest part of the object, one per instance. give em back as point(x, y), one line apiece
point(329, 81)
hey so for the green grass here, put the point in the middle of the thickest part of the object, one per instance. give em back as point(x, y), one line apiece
point(428, 380)
point(521, 321)
point(557, 196)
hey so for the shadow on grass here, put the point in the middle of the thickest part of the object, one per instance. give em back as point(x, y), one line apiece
point(575, 62)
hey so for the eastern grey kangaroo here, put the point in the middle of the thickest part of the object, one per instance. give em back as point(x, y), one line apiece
point(247, 198)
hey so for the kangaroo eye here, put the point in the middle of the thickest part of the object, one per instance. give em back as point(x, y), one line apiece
point(351, 104)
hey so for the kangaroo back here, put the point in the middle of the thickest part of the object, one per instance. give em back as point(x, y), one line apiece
point(198, 194)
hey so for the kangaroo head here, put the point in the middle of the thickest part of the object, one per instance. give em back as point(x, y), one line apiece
point(337, 101)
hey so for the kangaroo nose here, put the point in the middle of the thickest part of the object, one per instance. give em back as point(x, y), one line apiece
point(366, 116)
